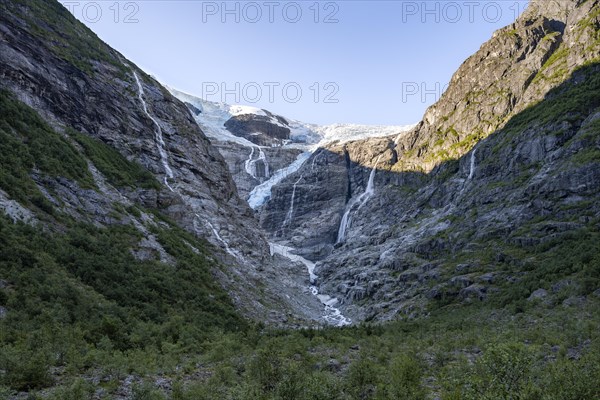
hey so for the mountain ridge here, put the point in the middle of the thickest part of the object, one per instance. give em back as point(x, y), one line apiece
point(131, 265)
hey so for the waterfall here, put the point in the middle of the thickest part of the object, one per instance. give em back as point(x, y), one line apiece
point(331, 314)
point(290, 213)
point(263, 157)
point(472, 168)
point(160, 143)
point(248, 164)
point(312, 167)
point(370, 185)
point(361, 200)
point(220, 239)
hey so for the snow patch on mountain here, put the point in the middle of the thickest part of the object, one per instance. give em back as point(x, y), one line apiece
point(350, 132)
point(213, 116)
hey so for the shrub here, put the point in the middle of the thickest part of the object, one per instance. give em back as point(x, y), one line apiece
point(503, 372)
point(362, 379)
point(24, 370)
point(404, 379)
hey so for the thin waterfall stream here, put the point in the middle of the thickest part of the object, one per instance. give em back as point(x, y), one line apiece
point(360, 200)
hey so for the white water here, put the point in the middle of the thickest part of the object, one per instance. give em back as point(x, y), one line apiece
point(220, 239)
point(331, 315)
point(312, 167)
point(361, 200)
point(263, 157)
point(261, 193)
point(160, 143)
point(290, 213)
point(472, 168)
point(248, 163)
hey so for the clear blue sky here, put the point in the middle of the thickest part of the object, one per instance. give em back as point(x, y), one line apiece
point(376, 58)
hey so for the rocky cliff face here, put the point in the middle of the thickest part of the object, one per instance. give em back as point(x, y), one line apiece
point(499, 170)
point(496, 186)
point(513, 70)
point(251, 166)
point(80, 86)
point(263, 130)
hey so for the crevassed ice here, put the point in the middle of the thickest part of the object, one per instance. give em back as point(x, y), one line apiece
point(261, 193)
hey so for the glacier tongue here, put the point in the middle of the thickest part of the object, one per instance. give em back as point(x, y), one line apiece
point(261, 193)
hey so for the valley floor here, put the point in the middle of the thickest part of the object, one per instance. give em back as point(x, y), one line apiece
point(464, 352)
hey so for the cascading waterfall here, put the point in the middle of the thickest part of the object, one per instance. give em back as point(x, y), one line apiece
point(248, 164)
point(165, 161)
point(471, 173)
point(263, 157)
point(331, 314)
point(312, 167)
point(360, 200)
point(370, 185)
point(290, 213)
point(220, 239)
point(472, 167)
point(160, 143)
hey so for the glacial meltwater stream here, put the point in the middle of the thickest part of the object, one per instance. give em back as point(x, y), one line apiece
point(331, 314)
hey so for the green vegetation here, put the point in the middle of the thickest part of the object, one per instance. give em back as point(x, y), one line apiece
point(80, 313)
point(77, 299)
point(586, 156)
point(457, 353)
point(63, 35)
point(567, 102)
point(80, 300)
point(555, 69)
point(28, 145)
point(117, 169)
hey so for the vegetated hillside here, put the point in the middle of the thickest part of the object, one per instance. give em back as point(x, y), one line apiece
point(108, 291)
point(515, 219)
point(73, 288)
point(509, 73)
point(131, 144)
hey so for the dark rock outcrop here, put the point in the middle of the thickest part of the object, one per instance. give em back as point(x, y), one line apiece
point(263, 130)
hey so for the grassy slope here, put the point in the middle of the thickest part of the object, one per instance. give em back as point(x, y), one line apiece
point(75, 294)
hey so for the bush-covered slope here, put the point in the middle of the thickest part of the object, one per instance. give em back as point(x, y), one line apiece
point(72, 293)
